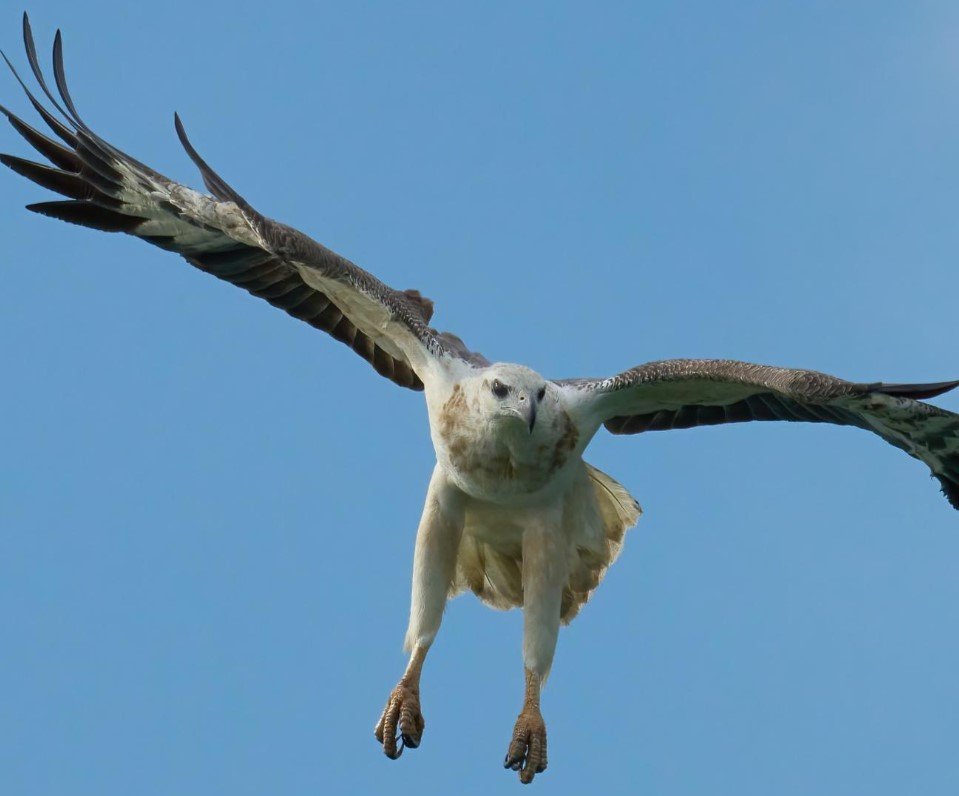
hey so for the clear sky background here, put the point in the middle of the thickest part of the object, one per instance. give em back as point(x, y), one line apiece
point(207, 509)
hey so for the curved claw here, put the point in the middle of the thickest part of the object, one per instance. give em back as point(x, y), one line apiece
point(527, 749)
point(401, 725)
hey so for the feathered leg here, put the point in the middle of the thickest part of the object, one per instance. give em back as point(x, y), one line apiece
point(545, 573)
point(434, 564)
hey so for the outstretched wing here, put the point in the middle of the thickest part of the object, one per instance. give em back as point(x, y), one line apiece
point(224, 236)
point(683, 393)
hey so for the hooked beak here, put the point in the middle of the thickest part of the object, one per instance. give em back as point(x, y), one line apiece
point(531, 414)
point(525, 411)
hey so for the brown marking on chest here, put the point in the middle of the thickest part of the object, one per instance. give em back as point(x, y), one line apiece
point(453, 423)
point(452, 416)
point(568, 437)
point(453, 410)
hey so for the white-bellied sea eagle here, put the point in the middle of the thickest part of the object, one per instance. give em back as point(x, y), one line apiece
point(512, 512)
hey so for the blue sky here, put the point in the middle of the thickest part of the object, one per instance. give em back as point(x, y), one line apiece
point(207, 509)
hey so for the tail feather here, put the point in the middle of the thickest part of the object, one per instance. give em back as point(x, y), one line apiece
point(618, 511)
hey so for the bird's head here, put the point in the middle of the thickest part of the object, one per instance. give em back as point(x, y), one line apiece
point(514, 396)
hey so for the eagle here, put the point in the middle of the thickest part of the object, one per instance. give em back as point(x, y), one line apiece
point(513, 513)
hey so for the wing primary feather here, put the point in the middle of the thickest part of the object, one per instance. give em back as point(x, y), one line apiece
point(99, 166)
point(914, 391)
point(89, 142)
point(54, 124)
point(31, 48)
point(76, 186)
point(85, 133)
point(60, 129)
point(950, 489)
point(213, 181)
point(50, 149)
point(63, 182)
point(60, 77)
point(87, 214)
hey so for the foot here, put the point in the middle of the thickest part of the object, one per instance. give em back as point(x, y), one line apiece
point(527, 750)
point(402, 712)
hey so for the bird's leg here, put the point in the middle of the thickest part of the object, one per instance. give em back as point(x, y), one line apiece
point(434, 564)
point(402, 710)
point(527, 749)
point(545, 573)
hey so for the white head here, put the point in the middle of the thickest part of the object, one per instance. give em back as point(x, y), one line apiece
point(513, 396)
point(503, 431)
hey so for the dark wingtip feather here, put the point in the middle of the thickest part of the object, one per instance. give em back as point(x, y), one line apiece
point(87, 214)
point(31, 48)
point(916, 391)
point(60, 76)
point(950, 489)
point(63, 182)
point(50, 149)
point(213, 181)
point(54, 124)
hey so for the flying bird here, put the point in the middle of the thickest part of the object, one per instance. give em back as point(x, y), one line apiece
point(513, 513)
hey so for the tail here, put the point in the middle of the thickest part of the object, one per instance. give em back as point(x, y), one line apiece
point(618, 511)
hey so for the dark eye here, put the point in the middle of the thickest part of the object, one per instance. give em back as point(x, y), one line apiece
point(541, 394)
point(500, 390)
